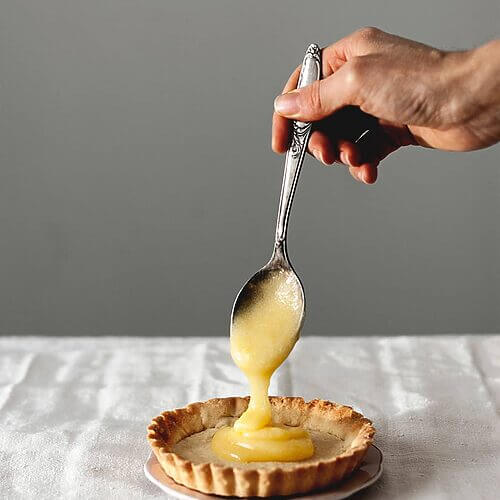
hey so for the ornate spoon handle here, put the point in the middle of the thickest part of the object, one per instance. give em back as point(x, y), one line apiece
point(311, 71)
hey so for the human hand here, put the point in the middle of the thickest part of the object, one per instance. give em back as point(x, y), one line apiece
point(407, 93)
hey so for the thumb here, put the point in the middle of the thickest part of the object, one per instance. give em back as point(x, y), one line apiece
point(318, 100)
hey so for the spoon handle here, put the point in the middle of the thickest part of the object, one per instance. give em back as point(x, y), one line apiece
point(311, 71)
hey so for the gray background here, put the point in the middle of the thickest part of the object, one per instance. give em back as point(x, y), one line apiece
point(138, 189)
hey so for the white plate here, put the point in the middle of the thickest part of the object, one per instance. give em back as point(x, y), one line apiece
point(369, 471)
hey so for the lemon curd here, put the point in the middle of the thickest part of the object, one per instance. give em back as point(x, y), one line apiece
point(262, 336)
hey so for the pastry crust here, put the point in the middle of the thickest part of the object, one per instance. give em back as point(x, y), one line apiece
point(231, 479)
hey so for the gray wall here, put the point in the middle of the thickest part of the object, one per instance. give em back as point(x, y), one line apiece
point(138, 189)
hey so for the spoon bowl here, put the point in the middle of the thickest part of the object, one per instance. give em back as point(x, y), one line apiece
point(252, 290)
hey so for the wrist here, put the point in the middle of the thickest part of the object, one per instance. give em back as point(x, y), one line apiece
point(472, 82)
point(458, 79)
point(486, 61)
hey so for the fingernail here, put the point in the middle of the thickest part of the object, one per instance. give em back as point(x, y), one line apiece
point(343, 158)
point(364, 177)
point(327, 161)
point(319, 156)
point(287, 104)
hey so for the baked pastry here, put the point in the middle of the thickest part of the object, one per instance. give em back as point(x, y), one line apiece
point(181, 442)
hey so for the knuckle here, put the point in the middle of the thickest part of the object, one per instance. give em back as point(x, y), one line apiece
point(368, 32)
point(354, 74)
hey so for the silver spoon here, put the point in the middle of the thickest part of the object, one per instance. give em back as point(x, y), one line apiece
point(279, 262)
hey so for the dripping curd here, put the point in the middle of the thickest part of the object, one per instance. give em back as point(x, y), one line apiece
point(262, 336)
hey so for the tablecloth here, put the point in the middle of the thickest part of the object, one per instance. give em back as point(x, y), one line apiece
point(74, 411)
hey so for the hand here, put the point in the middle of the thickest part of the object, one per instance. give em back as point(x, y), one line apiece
point(407, 92)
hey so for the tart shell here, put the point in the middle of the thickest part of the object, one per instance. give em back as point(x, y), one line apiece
point(230, 480)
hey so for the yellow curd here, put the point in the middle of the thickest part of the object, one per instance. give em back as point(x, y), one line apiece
point(262, 337)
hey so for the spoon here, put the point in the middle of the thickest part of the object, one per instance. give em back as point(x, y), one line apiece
point(279, 262)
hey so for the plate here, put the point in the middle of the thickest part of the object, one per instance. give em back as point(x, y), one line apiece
point(369, 471)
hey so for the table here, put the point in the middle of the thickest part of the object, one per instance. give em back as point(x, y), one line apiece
point(74, 411)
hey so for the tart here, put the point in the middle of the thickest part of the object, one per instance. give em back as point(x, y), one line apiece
point(181, 442)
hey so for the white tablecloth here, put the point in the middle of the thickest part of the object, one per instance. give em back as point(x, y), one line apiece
point(74, 411)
